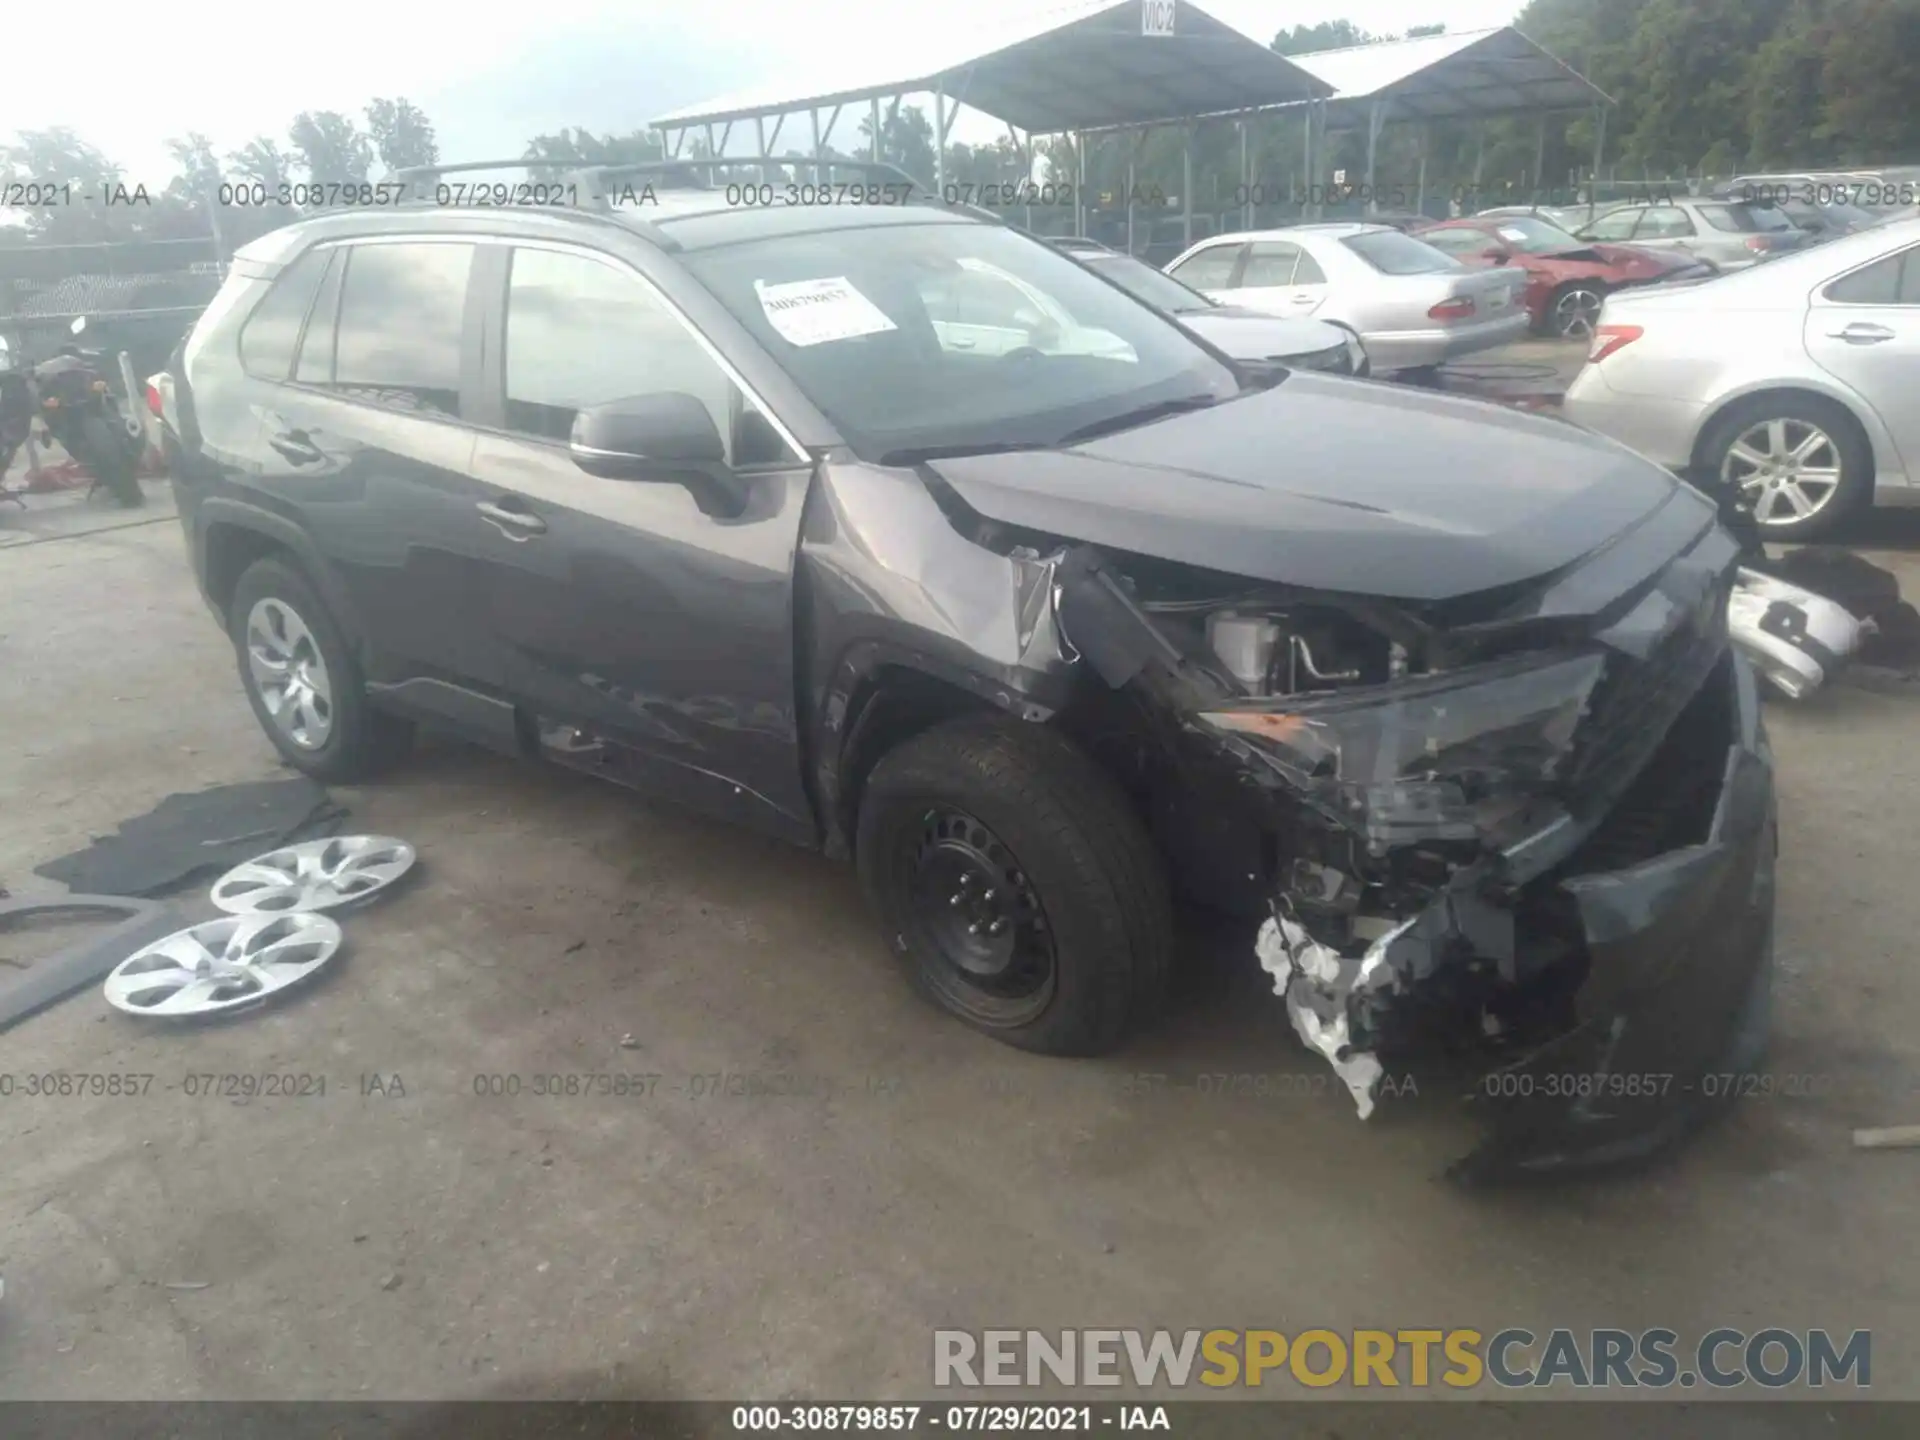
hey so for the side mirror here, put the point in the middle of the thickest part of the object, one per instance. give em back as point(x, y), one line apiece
point(79, 325)
point(668, 436)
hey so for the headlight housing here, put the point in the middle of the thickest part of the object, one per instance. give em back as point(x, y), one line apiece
point(1436, 757)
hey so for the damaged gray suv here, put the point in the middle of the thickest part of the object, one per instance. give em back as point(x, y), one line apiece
point(744, 505)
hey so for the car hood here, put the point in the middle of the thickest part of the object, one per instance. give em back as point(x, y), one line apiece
point(1247, 334)
point(1334, 484)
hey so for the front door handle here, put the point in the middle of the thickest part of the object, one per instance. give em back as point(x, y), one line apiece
point(514, 524)
point(1860, 333)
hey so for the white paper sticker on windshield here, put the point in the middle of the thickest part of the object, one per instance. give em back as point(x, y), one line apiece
point(1513, 233)
point(812, 312)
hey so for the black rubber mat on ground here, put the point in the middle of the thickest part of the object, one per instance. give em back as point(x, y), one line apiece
point(203, 833)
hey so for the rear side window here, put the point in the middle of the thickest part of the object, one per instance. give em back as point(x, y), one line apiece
point(1665, 222)
point(1892, 281)
point(1270, 262)
point(1393, 253)
point(1211, 269)
point(401, 310)
point(1616, 226)
point(272, 331)
point(315, 365)
point(1309, 271)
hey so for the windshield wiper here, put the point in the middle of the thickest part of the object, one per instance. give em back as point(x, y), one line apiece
point(1128, 419)
point(914, 455)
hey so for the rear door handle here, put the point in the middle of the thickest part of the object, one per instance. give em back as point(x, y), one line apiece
point(1860, 333)
point(514, 524)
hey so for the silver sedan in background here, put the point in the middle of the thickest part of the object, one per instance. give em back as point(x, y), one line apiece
point(1796, 382)
point(1412, 306)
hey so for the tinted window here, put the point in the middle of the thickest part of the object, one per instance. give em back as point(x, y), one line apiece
point(1211, 269)
point(271, 332)
point(1309, 271)
point(316, 350)
point(1892, 281)
point(1393, 253)
point(581, 332)
point(1269, 263)
point(400, 325)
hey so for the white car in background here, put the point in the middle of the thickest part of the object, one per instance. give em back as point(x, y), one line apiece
point(1412, 306)
point(1795, 383)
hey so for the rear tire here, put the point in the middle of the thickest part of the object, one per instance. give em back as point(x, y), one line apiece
point(1016, 884)
point(1833, 474)
point(302, 680)
point(104, 452)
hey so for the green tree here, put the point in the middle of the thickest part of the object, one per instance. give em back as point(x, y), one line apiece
point(402, 134)
point(1871, 82)
point(263, 162)
point(1327, 35)
point(330, 148)
point(906, 140)
point(59, 160)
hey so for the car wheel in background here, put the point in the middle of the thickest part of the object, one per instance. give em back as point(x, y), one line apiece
point(302, 681)
point(1017, 884)
point(1574, 309)
point(1799, 462)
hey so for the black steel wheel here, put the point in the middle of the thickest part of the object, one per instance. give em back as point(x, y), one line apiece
point(1016, 884)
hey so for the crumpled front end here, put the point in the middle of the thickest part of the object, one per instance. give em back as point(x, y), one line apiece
point(1539, 829)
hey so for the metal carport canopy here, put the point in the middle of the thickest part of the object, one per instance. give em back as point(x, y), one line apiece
point(1089, 67)
point(1472, 75)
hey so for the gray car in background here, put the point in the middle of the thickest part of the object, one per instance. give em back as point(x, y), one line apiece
point(1412, 306)
point(1731, 234)
point(1793, 383)
point(1250, 337)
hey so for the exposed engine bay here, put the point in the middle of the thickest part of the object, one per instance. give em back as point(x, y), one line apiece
point(1439, 803)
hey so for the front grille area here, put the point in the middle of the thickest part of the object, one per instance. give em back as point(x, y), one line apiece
point(1637, 703)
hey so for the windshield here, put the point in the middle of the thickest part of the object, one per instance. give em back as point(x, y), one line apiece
point(1150, 286)
point(949, 337)
point(1393, 253)
point(1534, 237)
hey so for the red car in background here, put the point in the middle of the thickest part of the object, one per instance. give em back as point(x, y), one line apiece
point(1567, 279)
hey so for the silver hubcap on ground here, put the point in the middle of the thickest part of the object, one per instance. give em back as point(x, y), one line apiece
point(289, 673)
point(1788, 469)
point(314, 875)
point(222, 964)
point(1576, 313)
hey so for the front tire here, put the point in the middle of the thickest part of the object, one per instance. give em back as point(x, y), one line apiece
point(1800, 463)
point(1017, 885)
point(302, 680)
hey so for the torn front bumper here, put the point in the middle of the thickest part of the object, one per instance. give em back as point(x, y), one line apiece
point(1797, 640)
point(1674, 948)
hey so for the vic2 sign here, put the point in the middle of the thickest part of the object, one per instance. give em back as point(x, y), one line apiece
point(1156, 17)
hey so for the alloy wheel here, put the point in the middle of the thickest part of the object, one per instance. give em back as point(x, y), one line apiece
point(1788, 470)
point(1576, 313)
point(289, 673)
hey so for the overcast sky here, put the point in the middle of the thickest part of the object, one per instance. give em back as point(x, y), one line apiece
point(490, 77)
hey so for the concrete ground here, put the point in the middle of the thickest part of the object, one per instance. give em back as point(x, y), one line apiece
point(420, 1239)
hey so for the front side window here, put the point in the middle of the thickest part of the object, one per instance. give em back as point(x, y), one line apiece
point(273, 329)
point(582, 332)
point(1667, 222)
point(1617, 226)
point(400, 325)
point(854, 317)
point(1746, 219)
point(1211, 269)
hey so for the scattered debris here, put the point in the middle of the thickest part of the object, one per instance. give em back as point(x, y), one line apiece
point(575, 947)
point(390, 1282)
point(187, 1284)
point(314, 875)
point(627, 1042)
point(1797, 640)
point(222, 965)
point(57, 976)
point(1893, 1137)
point(358, 1238)
point(187, 835)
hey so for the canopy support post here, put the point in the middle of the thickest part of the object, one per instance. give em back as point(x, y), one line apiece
point(1186, 186)
point(1246, 176)
point(1599, 153)
point(940, 137)
point(1540, 161)
point(1376, 117)
point(873, 126)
